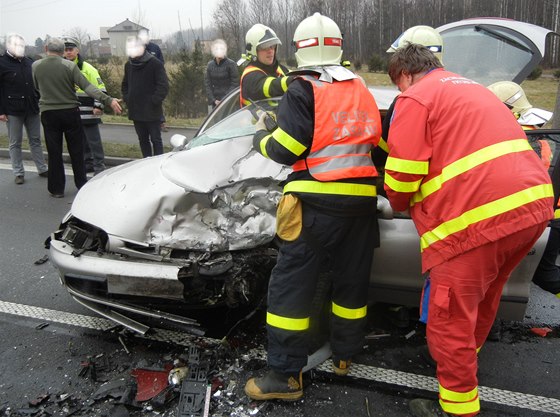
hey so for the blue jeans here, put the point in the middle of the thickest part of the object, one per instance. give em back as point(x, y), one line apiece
point(94, 157)
point(32, 123)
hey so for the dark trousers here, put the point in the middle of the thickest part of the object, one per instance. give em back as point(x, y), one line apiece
point(547, 275)
point(344, 246)
point(149, 132)
point(57, 123)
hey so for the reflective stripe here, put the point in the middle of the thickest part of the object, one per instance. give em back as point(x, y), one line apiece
point(557, 214)
point(484, 212)
point(478, 349)
point(89, 116)
point(288, 142)
point(407, 166)
point(457, 397)
point(459, 402)
point(349, 313)
point(287, 323)
point(339, 188)
point(401, 186)
point(266, 86)
point(469, 162)
point(383, 145)
point(263, 145)
point(558, 295)
point(284, 83)
point(243, 101)
point(340, 163)
point(339, 150)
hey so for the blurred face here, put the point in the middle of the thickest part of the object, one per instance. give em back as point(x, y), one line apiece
point(219, 50)
point(16, 46)
point(266, 55)
point(71, 53)
point(134, 48)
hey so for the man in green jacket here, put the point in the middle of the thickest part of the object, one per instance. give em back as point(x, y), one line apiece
point(55, 79)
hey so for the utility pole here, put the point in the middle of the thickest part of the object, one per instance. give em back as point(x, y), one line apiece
point(201, 24)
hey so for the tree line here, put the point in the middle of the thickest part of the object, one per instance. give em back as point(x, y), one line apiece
point(370, 26)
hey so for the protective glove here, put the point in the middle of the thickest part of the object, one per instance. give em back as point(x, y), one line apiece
point(265, 122)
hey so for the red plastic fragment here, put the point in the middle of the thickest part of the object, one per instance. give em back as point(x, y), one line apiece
point(541, 331)
point(149, 382)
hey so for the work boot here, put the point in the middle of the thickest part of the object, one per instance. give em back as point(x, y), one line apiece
point(420, 407)
point(341, 367)
point(275, 386)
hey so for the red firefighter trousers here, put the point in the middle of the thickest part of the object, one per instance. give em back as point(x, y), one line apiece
point(464, 298)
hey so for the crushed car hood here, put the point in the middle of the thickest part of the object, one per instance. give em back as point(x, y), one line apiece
point(184, 200)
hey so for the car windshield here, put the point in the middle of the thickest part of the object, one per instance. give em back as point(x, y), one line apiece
point(499, 53)
point(241, 123)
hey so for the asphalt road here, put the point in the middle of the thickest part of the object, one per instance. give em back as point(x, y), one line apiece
point(47, 338)
point(121, 133)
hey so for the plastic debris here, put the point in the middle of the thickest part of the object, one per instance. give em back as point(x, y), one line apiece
point(541, 331)
point(410, 334)
point(150, 382)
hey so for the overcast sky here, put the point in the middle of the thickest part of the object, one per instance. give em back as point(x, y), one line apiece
point(36, 18)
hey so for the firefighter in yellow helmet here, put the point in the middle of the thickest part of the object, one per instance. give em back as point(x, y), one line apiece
point(547, 274)
point(327, 125)
point(264, 77)
point(422, 35)
point(513, 96)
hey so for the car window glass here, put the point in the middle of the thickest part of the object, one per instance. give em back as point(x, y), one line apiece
point(240, 123)
point(229, 105)
point(486, 53)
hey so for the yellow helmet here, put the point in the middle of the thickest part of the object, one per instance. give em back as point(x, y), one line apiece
point(512, 95)
point(260, 36)
point(423, 35)
point(318, 41)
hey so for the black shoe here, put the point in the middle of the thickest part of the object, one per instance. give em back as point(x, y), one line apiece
point(426, 356)
point(341, 367)
point(19, 179)
point(398, 316)
point(420, 407)
point(275, 386)
point(54, 195)
point(44, 174)
point(90, 169)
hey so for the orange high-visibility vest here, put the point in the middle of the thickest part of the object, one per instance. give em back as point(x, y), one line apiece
point(347, 127)
point(250, 68)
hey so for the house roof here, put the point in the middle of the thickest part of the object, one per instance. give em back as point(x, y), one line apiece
point(126, 26)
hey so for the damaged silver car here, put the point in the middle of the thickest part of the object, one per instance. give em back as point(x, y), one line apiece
point(195, 228)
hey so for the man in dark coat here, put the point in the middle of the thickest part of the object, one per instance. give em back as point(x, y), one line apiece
point(221, 74)
point(144, 87)
point(19, 106)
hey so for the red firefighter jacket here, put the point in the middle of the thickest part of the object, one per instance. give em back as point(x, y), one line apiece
point(463, 166)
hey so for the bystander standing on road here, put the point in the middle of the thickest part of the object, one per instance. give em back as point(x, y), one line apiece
point(55, 78)
point(221, 74)
point(90, 108)
point(19, 106)
point(144, 87)
point(154, 49)
point(454, 159)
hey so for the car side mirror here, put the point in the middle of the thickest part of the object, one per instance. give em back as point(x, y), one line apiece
point(178, 142)
point(384, 209)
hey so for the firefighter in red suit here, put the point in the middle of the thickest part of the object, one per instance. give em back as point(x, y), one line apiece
point(328, 123)
point(479, 197)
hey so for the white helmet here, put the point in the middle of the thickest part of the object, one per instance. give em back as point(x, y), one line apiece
point(512, 95)
point(260, 36)
point(423, 35)
point(318, 41)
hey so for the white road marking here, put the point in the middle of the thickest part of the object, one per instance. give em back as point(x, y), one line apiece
point(372, 373)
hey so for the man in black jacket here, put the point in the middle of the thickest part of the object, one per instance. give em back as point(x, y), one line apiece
point(19, 106)
point(144, 87)
point(221, 74)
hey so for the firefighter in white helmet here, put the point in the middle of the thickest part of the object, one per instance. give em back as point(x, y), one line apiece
point(264, 77)
point(547, 274)
point(422, 35)
point(327, 125)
